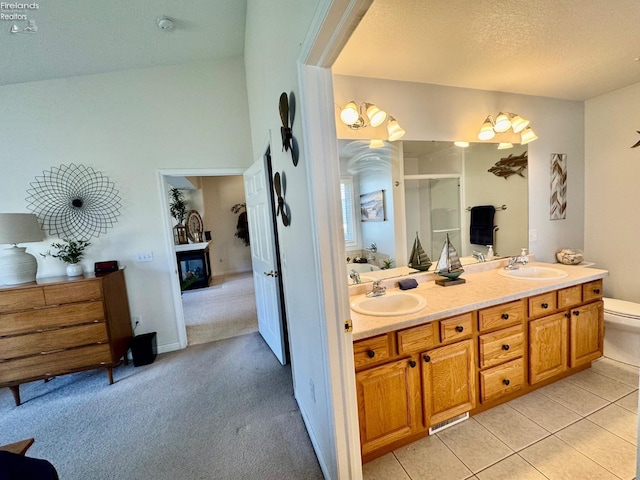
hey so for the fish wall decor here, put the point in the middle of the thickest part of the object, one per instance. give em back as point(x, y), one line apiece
point(511, 165)
point(638, 142)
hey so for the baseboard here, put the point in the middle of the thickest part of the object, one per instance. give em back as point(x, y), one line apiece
point(314, 441)
point(169, 347)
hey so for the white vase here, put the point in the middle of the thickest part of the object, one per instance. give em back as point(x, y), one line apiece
point(74, 270)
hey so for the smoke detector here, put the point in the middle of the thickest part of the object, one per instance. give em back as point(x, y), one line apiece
point(165, 23)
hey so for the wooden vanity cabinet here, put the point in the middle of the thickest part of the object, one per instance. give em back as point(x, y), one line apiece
point(587, 333)
point(547, 347)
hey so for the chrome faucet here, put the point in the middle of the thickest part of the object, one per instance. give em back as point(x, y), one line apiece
point(376, 290)
point(513, 261)
point(355, 276)
point(478, 256)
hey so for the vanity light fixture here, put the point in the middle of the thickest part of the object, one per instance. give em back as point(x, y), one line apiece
point(502, 124)
point(368, 114)
point(376, 143)
point(504, 145)
point(461, 144)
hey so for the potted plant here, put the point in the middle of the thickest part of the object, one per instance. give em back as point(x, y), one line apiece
point(178, 210)
point(70, 252)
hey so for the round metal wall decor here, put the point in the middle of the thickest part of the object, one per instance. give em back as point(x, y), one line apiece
point(74, 201)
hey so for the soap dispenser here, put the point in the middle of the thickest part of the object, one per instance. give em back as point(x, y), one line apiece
point(490, 253)
point(523, 257)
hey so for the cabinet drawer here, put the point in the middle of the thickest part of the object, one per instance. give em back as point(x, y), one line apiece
point(501, 315)
point(592, 290)
point(16, 300)
point(502, 380)
point(542, 304)
point(72, 292)
point(456, 327)
point(52, 340)
point(58, 363)
point(570, 296)
point(416, 339)
point(50, 318)
point(500, 346)
point(372, 350)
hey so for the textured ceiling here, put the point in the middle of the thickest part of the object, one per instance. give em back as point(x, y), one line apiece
point(571, 49)
point(81, 37)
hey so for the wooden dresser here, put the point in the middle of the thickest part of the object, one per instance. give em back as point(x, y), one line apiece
point(62, 325)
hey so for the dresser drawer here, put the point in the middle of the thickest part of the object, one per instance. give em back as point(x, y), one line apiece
point(456, 327)
point(52, 340)
point(417, 339)
point(49, 318)
point(502, 380)
point(592, 290)
point(372, 350)
point(501, 315)
point(498, 347)
point(72, 292)
point(52, 364)
point(19, 299)
point(570, 296)
point(542, 304)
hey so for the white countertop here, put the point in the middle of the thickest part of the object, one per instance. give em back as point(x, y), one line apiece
point(482, 289)
point(187, 247)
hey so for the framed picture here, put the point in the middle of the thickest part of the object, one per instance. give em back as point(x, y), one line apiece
point(372, 207)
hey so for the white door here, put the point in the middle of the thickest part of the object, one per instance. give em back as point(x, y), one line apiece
point(263, 257)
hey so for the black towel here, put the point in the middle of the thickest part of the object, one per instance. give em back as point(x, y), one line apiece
point(481, 225)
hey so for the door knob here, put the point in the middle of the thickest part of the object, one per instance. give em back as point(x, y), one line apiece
point(271, 274)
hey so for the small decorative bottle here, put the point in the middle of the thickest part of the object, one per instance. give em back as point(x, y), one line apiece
point(490, 253)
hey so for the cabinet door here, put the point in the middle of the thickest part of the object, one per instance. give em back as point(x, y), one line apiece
point(586, 333)
point(388, 403)
point(448, 381)
point(547, 347)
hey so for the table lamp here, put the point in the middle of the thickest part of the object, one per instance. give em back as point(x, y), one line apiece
point(16, 265)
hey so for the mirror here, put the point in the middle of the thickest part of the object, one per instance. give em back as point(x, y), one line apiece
point(428, 188)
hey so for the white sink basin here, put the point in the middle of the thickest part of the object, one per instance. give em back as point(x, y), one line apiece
point(535, 273)
point(390, 304)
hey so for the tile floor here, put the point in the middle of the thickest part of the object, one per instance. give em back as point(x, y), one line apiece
point(581, 427)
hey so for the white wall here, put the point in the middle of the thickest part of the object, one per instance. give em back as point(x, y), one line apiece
point(275, 32)
point(612, 226)
point(432, 112)
point(127, 125)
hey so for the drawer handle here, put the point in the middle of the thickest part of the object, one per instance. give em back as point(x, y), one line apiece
point(459, 329)
point(506, 381)
point(596, 291)
point(426, 358)
point(568, 315)
point(505, 347)
point(412, 364)
point(371, 353)
point(576, 313)
point(545, 305)
point(505, 316)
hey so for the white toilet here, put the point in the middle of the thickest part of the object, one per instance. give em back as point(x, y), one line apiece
point(622, 331)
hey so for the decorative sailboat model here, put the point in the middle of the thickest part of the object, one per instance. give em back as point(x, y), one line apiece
point(419, 259)
point(449, 265)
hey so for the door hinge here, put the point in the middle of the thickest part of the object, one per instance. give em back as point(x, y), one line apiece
point(348, 326)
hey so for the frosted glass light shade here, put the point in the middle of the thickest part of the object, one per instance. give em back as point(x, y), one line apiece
point(461, 144)
point(518, 123)
point(502, 123)
point(486, 131)
point(375, 115)
point(376, 143)
point(527, 136)
point(349, 114)
point(504, 145)
point(395, 130)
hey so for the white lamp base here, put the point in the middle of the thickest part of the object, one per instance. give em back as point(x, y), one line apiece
point(17, 266)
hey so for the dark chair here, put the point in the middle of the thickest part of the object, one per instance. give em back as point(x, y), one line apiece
point(15, 466)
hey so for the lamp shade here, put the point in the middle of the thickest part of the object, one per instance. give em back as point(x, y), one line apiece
point(349, 114)
point(486, 130)
point(16, 265)
point(19, 228)
point(394, 129)
point(375, 115)
point(518, 123)
point(502, 123)
point(504, 145)
point(527, 136)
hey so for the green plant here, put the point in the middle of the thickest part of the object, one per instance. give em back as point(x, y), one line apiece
point(177, 205)
point(69, 252)
point(387, 263)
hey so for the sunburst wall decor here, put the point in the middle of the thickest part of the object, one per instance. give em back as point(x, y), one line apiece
point(74, 201)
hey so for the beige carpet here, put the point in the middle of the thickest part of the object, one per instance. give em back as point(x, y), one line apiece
point(224, 310)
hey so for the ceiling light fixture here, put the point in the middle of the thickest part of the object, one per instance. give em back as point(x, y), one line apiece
point(370, 115)
point(502, 124)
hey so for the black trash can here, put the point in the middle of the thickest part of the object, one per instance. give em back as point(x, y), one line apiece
point(144, 349)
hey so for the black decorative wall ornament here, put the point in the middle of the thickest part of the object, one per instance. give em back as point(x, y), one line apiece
point(282, 209)
point(287, 109)
point(638, 142)
point(74, 201)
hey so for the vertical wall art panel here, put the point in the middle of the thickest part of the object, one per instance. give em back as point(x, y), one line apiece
point(558, 186)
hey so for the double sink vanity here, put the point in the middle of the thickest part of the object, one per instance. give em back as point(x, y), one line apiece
point(428, 356)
